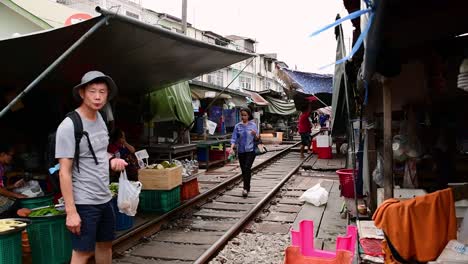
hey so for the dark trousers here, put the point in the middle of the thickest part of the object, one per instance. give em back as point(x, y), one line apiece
point(246, 161)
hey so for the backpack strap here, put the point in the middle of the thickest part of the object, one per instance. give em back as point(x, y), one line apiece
point(79, 133)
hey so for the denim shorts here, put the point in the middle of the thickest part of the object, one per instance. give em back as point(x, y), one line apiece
point(97, 225)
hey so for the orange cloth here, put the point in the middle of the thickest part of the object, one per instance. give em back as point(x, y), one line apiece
point(293, 256)
point(419, 228)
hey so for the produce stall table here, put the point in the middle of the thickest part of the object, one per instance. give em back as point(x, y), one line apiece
point(205, 146)
point(170, 151)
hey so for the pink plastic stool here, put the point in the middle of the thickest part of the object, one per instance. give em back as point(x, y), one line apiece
point(304, 238)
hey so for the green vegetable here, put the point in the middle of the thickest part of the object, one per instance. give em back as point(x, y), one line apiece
point(114, 188)
point(48, 211)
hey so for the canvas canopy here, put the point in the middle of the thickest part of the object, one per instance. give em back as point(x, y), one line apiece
point(280, 107)
point(140, 57)
point(173, 103)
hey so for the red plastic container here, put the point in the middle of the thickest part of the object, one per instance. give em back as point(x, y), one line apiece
point(346, 182)
point(218, 154)
point(314, 146)
point(324, 153)
point(189, 190)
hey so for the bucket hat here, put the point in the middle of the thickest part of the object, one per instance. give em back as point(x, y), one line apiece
point(94, 76)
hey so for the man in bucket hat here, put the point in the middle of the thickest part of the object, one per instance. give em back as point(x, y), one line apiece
point(84, 175)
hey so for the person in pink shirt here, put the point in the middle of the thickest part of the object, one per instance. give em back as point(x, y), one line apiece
point(304, 128)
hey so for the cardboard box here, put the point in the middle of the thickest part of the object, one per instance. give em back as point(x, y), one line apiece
point(165, 179)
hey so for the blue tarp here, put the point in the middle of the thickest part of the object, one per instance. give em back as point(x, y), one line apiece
point(311, 83)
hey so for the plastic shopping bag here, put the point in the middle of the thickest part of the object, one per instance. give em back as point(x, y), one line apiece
point(316, 195)
point(128, 196)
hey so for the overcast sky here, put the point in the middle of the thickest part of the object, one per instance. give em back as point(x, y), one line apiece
point(279, 26)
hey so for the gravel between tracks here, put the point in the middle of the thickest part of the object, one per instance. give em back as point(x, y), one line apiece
point(254, 248)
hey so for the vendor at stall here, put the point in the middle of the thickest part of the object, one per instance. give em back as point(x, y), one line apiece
point(120, 148)
point(7, 197)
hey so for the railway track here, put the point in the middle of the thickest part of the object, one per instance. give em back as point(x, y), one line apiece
point(206, 223)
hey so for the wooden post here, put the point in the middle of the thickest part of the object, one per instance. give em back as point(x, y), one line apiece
point(372, 157)
point(388, 151)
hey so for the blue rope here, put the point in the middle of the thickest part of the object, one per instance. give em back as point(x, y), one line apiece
point(356, 46)
point(351, 16)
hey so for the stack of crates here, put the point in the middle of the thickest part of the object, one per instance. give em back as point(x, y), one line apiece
point(160, 189)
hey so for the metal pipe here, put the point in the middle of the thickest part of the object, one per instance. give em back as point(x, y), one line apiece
point(208, 254)
point(193, 201)
point(184, 17)
point(54, 64)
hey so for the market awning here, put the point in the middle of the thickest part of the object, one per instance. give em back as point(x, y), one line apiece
point(280, 107)
point(303, 85)
point(199, 93)
point(140, 57)
point(340, 115)
point(257, 99)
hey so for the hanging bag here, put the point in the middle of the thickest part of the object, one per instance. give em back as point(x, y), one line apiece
point(128, 195)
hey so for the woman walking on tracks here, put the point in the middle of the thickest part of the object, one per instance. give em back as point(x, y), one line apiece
point(244, 135)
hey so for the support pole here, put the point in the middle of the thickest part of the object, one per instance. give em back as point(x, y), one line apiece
point(54, 64)
point(184, 16)
point(388, 151)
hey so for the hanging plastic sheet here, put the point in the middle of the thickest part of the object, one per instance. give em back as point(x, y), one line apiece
point(173, 103)
point(280, 107)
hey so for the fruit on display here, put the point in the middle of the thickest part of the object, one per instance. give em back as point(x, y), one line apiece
point(163, 165)
point(9, 224)
point(23, 212)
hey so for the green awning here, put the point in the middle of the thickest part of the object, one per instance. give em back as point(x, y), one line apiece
point(280, 107)
point(173, 103)
point(340, 115)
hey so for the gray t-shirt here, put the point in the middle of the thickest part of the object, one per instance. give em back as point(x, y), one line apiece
point(91, 184)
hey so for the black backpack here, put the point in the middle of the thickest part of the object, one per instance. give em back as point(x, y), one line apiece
point(79, 133)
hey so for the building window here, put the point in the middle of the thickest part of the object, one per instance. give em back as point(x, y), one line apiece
point(245, 82)
point(269, 64)
point(267, 85)
point(216, 78)
point(131, 14)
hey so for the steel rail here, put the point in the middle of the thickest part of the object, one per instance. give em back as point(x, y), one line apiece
point(234, 230)
point(132, 237)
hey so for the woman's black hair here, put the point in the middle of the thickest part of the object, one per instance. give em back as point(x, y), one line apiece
point(115, 135)
point(248, 111)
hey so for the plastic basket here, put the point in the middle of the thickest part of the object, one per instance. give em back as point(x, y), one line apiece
point(50, 240)
point(346, 182)
point(11, 248)
point(122, 221)
point(159, 201)
point(189, 190)
point(36, 202)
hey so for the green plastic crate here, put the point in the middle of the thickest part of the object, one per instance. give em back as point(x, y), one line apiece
point(11, 250)
point(159, 201)
point(50, 240)
point(36, 202)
